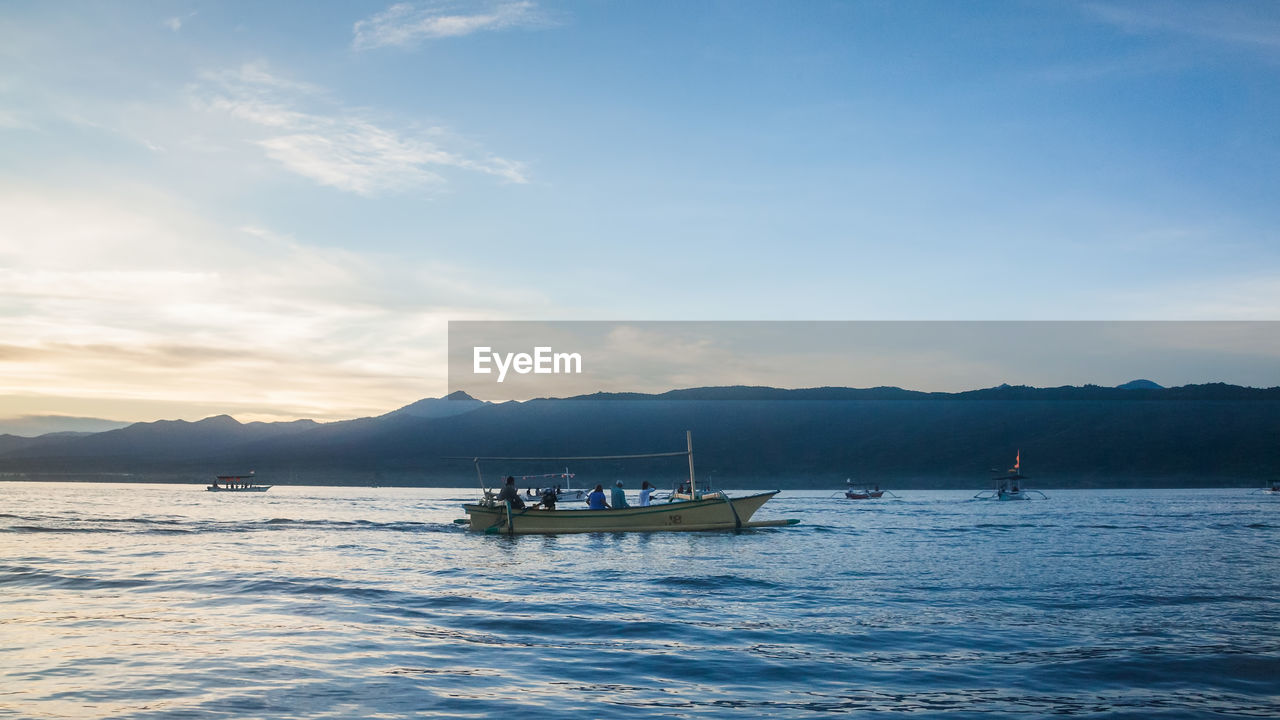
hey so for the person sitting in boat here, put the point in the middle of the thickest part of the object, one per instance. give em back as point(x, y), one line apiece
point(646, 491)
point(509, 493)
point(618, 496)
point(548, 499)
point(595, 501)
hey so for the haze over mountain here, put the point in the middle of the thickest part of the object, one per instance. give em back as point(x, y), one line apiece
point(1195, 435)
point(35, 425)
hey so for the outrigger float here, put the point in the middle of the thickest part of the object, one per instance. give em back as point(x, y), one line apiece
point(1009, 486)
point(711, 511)
point(236, 483)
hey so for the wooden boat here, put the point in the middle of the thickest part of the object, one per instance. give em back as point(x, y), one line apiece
point(236, 483)
point(681, 491)
point(1009, 486)
point(863, 494)
point(565, 493)
point(711, 513)
point(714, 511)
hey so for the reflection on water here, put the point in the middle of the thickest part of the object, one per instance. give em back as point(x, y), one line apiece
point(135, 601)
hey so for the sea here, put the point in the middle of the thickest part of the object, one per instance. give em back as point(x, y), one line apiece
point(165, 601)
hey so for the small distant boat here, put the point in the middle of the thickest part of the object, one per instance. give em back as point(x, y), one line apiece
point(563, 494)
point(680, 491)
point(1272, 489)
point(236, 483)
point(863, 493)
point(1009, 486)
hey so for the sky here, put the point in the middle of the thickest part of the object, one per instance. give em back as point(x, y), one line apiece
point(273, 210)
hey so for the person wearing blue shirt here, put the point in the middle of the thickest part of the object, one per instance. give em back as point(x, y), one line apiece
point(595, 501)
point(619, 498)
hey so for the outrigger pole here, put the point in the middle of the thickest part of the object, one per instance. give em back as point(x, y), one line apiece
point(480, 476)
point(688, 434)
point(578, 457)
point(693, 485)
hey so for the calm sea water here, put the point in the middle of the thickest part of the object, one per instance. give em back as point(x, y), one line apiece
point(145, 601)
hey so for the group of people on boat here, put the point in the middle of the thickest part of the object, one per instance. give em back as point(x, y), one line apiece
point(595, 499)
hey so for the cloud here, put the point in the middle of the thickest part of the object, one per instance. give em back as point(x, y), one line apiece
point(300, 127)
point(173, 23)
point(407, 24)
point(125, 306)
point(1253, 26)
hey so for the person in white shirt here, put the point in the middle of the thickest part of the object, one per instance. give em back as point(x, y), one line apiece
point(645, 491)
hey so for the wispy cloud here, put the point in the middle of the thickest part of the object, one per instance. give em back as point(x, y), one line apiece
point(407, 24)
point(176, 22)
point(1254, 26)
point(300, 127)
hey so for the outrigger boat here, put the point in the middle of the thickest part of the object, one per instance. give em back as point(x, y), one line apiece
point(863, 493)
point(1272, 489)
point(236, 483)
point(563, 494)
point(1009, 486)
point(701, 512)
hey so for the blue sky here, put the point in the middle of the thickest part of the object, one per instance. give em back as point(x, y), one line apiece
point(273, 209)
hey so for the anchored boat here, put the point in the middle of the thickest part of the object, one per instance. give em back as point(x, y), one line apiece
point(567, 493)
point(860, 493)
point(863, 493)
point(715, 511)
point(1009, 486)
point(236, 483)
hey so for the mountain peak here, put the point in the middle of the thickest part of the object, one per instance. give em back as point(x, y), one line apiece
point(1140, 385)
point(455, 403)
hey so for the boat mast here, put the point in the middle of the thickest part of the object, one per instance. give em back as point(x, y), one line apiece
point(693, 484)
point(480, 477)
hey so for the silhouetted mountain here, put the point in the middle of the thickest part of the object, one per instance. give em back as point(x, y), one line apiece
point(1140, 385)
point(146, 446)
point(744, 437)
point(455, 403)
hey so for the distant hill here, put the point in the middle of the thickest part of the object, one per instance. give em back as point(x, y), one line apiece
point(1140, 385)
point(452, 404)
point(1091, 436)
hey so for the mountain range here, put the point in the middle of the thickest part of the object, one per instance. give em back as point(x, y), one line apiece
point(1138, 434)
